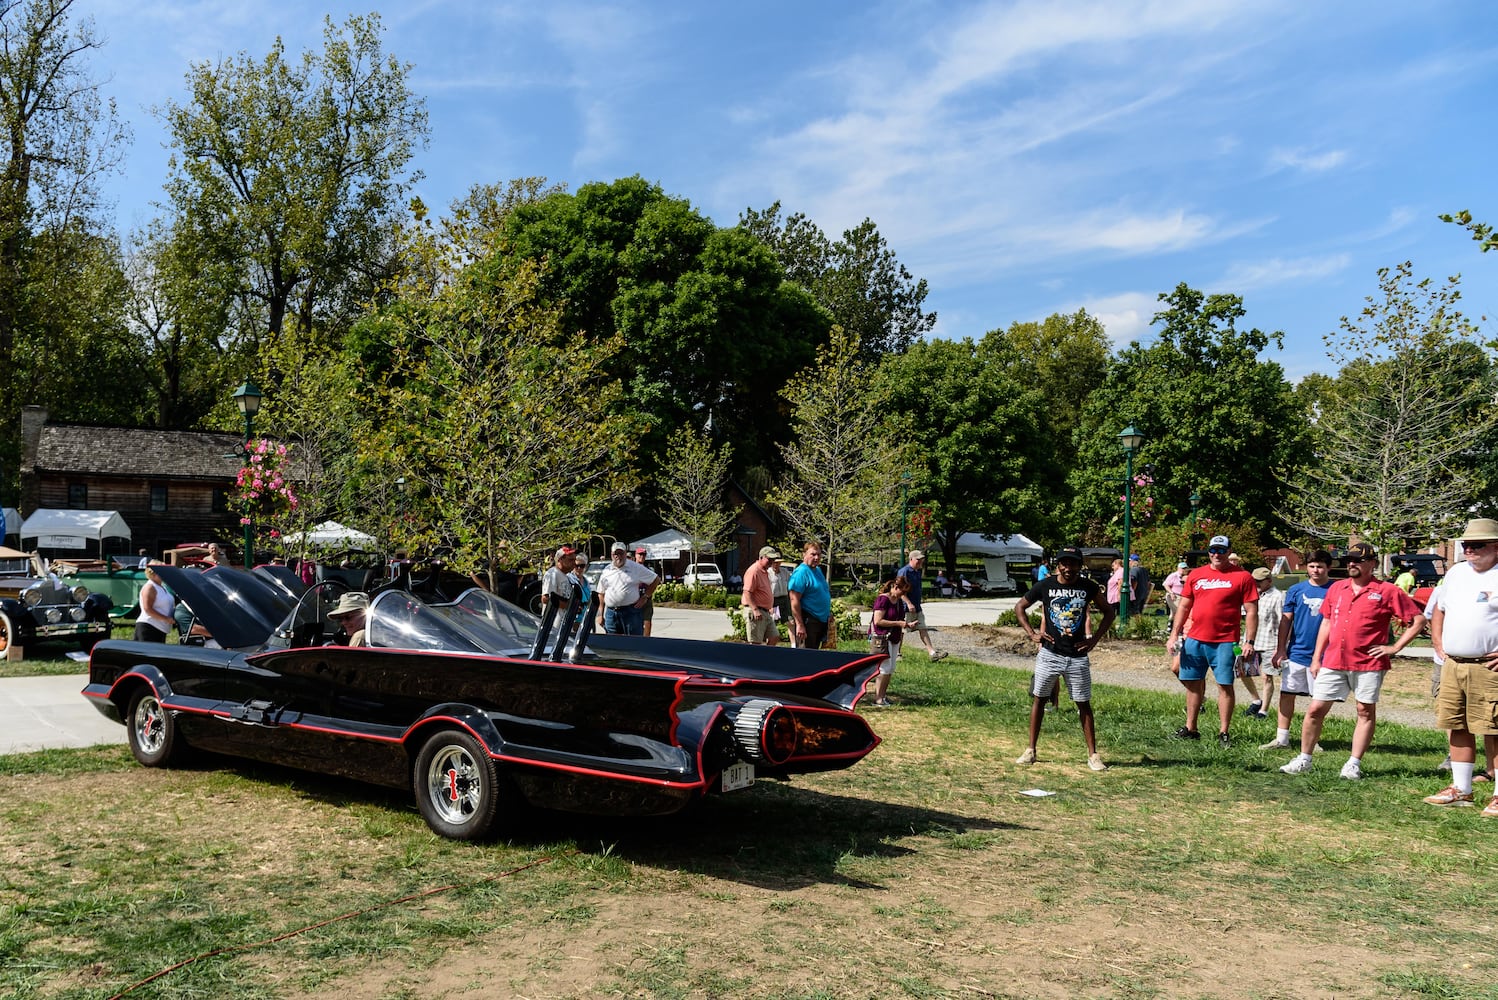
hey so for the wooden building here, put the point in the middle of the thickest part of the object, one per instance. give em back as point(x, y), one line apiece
point(170, 486)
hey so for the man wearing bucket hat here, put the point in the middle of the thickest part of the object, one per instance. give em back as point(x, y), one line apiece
point(349, 615)
point(1464, 632)
point(1353, 653)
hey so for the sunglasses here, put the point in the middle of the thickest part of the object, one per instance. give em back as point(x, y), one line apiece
point(1217, 550)
point(1475, 546)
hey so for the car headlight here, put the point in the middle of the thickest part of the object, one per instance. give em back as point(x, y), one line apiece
point(53, 615)
point(32, 595)
point(78, 613)
point(80, 593)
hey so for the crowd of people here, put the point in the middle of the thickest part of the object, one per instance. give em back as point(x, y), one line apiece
point(1322, 640)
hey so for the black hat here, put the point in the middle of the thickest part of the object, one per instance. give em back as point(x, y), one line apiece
point(1070, 552)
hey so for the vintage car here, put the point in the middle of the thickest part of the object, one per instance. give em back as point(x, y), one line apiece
point(36, 605)
point(472, 706)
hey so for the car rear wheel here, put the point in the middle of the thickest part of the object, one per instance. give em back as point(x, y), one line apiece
point(7, 633)
point(457, 785)
point(152, 731)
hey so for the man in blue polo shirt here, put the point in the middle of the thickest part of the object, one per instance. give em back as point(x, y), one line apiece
point(1299, 624)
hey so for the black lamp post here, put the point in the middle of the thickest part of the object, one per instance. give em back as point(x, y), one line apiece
point(247, 398)
point(904, 512)
point(1130, 439)
point(1196, 502)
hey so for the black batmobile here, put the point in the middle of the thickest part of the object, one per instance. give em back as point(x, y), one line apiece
point(471, 703)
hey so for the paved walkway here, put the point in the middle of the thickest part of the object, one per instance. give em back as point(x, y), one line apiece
point(37, 713)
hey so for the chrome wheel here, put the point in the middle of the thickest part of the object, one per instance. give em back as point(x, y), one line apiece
point(456, 785)
point(152, 730)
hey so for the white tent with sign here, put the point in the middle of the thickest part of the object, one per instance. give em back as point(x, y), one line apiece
point(998, 552)
point(330, 534)
point(73, 529)
point(667, 545)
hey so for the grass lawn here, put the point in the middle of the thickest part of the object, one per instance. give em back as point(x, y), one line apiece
point(922, 872)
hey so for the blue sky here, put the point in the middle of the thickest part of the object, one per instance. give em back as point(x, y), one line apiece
point(1023, 157)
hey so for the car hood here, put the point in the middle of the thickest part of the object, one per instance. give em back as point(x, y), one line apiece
point(240, 610)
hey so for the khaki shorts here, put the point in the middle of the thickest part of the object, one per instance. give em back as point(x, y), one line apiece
point(1468, 698)
point(758, 631)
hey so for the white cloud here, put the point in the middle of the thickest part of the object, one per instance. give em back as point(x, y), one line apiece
point(1125, 316)
point(1243, 275)
point(1307, 162)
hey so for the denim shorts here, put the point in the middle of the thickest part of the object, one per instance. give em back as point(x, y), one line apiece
point(1198, 657)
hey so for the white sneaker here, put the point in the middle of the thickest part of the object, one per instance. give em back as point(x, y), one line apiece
point(1275, 745)
point(1095, 761)
point(1352, 770)
point(1444, 765)
point(1028, 757)
point(1300, 765)
point(938, 654)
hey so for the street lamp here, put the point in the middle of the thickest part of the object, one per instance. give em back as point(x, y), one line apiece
point(1129, 439)
point(904, 512)
point(1196, 502)
point(247, 398)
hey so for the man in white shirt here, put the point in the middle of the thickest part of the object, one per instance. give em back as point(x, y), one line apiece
point(1464, 632)
point(557, 582)
point(623, 589)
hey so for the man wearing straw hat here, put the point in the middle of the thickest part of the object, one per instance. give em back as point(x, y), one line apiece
point(349, 615)
point(1464, 632)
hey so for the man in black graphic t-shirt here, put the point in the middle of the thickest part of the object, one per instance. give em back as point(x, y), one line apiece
point(1064, 642)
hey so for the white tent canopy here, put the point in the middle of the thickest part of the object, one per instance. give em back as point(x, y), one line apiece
point(11, 521)
point(73, 529)
point(330, 533)
point(668, 544)
point(999, 547)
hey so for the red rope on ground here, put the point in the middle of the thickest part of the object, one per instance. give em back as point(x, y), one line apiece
point(324, 923)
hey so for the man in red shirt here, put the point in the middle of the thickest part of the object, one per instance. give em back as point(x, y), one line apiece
point(1213, 602)
point(1352, 653)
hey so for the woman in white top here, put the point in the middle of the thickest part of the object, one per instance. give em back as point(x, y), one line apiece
point(156, 606)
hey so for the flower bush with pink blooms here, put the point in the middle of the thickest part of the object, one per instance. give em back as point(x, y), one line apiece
point(262, 490)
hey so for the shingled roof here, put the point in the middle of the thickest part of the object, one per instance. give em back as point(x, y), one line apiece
point(120, 451)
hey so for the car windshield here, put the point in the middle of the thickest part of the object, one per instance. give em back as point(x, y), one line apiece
point(398, 620)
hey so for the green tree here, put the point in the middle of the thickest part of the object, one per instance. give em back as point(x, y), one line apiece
point(503, 424)
point(710, 326)
point(841, 482)
point(1402, 433)
point(972, 421)
point(1216, 417)
point(693, 481)
point(857, 278)
point(61, 136)
point(290, 176)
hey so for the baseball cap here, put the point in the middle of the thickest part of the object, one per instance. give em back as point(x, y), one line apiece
point(642, 550)
point(1262, 573)
point(1219, 541)
point(917, 554)
point(1133, 557)
point(770, 552)
point(1182, 565)
point(1070, 552)
point(1359, 552)
point(619, 547)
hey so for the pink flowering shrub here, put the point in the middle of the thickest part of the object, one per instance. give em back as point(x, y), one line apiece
point(262, 490)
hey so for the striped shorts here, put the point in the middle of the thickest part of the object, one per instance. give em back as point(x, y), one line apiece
point(1050, 667)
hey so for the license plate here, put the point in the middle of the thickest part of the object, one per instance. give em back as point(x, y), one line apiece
point(740, 775)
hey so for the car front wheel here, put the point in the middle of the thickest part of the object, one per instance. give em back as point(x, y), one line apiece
point(456, 785)
point(152, 731)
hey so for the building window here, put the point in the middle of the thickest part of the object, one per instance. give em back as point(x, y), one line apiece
point(158, 499)
point(220, 500)
point(78, 496)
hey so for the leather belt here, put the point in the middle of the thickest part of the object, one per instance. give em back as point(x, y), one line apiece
point(1469, 659)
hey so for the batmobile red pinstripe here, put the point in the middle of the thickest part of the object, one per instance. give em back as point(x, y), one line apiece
point(462, 702)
